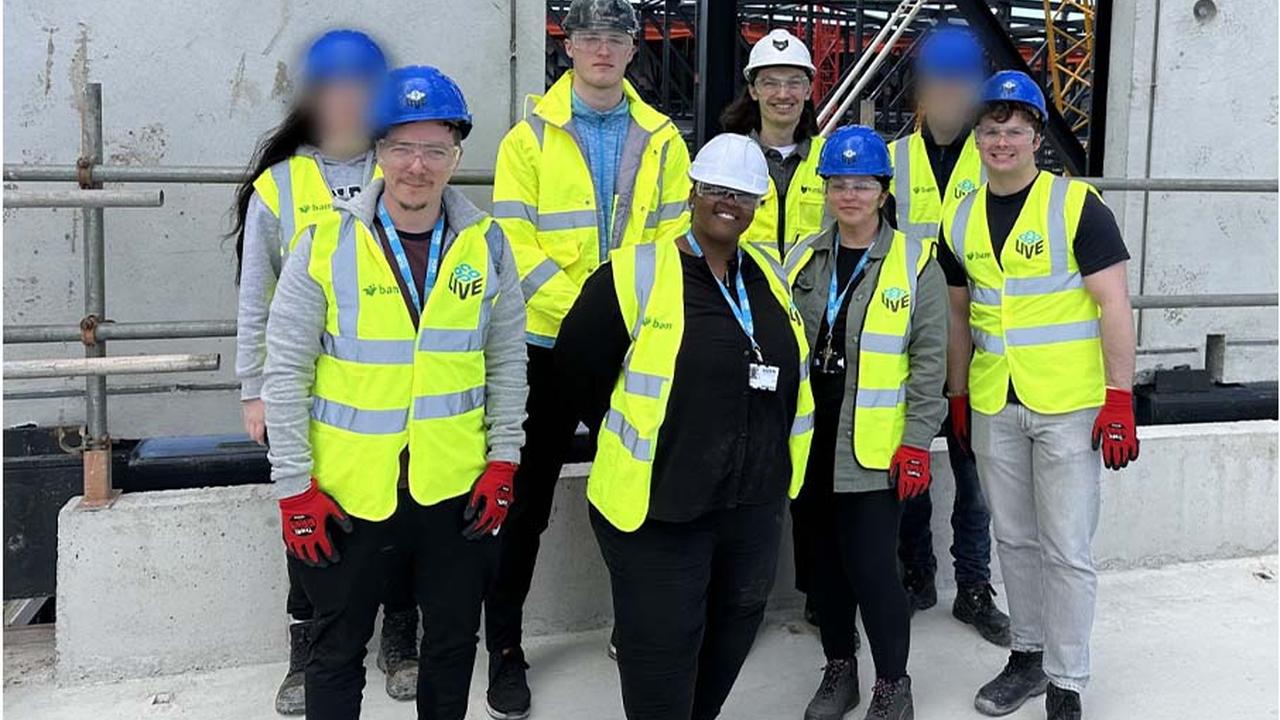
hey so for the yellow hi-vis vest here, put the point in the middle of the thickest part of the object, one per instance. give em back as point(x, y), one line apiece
point(544, 196)
point(1031, 318)
point(915, 190)
point(381, 384)
point(880, 399)
point(806, 204)
point(297, 183)
point(649, 282)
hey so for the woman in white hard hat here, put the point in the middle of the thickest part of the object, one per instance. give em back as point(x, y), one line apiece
point(691, 363)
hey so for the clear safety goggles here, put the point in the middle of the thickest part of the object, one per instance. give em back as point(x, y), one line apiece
point(719, 192)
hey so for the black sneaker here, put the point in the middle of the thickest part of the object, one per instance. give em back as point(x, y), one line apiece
point(1062, 704)
point(922, 594)
point(291, 698)
point(508, 697)
point(891, 700)
point(1021, 679)
point(398, 653)
point(837, 693)
point(974, 607)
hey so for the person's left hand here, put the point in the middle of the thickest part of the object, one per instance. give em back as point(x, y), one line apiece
point(495, 491)
point(909, 470)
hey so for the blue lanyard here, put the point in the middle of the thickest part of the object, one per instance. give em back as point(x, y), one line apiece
point(741, 311)
point(397, 249)
point(834, 301)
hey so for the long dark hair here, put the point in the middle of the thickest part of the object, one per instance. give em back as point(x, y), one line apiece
point(743, 115)
point(281, 143)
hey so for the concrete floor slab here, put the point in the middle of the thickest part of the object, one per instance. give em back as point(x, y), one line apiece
point(1195, 640)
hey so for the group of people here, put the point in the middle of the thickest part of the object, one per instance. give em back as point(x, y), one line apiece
point(784, 316)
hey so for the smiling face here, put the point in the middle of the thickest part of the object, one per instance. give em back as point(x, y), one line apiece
point(600, 57)
point(781, 92)
point(417, 160)
point(1008, 137)
point(719, 214)
point(855, 199)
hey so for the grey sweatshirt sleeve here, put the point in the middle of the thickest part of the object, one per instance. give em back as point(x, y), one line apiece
point(506, 386)
point(927, 352)
point(259, 270)
point(294, 327)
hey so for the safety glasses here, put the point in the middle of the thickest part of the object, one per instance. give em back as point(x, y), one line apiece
point(717, 192)
point(401, 153)
point(849, 186)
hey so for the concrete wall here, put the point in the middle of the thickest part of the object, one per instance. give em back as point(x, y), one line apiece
point(1197, 98)
point(191, 82)
point(166, 582)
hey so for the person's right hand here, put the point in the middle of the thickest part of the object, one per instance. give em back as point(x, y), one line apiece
point(959, 411)
point(254, 414)
point(304, 520)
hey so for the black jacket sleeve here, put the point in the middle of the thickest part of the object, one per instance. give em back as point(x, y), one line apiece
point(591, 347)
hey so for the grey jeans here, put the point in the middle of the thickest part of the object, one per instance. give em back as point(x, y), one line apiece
point(1041, 479)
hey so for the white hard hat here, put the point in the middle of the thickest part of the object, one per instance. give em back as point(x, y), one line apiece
point(779, 47)
point(732, 161)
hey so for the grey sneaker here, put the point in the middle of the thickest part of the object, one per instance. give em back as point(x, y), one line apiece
point(1062, 704)
point(1021, 679)
point(398, 653)
point(891, 700)
point(838, 692)
point(291, 698)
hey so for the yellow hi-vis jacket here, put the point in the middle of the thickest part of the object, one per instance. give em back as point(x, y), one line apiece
point(297, 183)
point(880, 389)
point(1033, 322)
point(544, 197)
point(382, 385)
point(919, 201)
point(806, 205)
point(649, 282)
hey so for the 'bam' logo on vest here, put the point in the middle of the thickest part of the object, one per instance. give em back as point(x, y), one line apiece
point(1029, 244)
point(653, 322)
point(964, 187)
point(466, 281)
point(895, 298)
point(373, 289)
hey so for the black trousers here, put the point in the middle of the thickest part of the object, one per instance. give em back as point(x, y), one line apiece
point(548, 431)
point(398, 596)
point(450, 575)
point(688, 599)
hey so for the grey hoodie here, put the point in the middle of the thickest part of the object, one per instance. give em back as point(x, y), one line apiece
point(296, 323)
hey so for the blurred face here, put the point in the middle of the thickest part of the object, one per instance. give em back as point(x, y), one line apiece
point(950, 102)
point(1009, 146)
point(417, 161)
point(339, 109)
point(721, 213)
point(781, 92)
point(600, 57)
point(855, 199)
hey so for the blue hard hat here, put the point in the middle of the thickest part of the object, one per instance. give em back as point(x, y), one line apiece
point(416, 93)
point(854, 150)
point(1016, 87)
point(343, 55)
point(951, 53)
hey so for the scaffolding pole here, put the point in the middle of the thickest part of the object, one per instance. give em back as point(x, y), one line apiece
point(83, 198)
point(181, 174)
point(166, 330)
point(100, 367)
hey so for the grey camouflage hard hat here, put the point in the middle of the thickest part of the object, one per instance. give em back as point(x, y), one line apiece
point(602, 15)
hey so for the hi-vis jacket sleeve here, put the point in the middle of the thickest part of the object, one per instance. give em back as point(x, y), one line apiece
point(673, 208)
point(548, 291)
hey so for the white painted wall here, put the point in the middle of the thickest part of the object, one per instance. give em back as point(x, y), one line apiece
point(1213, 116)
point(189, 82)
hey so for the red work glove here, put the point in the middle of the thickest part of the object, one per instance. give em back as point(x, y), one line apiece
point(960, 420)
point(1114, 430)
point(494, 489)
point(304, 520)
point(909, 470)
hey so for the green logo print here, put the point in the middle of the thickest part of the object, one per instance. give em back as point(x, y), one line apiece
point(895, 298)
point(466, 281)
point(1029, 244)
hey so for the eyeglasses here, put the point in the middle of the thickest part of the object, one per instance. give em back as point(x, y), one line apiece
point(1015, 135)
point(723, 193)
point(402, 153)
point(772, 85)
point(591, 41)
point(845, 186)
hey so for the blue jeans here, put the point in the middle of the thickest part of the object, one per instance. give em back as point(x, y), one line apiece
point(970, 524)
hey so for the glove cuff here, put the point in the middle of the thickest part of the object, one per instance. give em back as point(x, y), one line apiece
point(1117, 398)
point(301, 498)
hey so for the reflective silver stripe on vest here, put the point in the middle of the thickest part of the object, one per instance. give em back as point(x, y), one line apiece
point(450, 340)
point(765, 249)
point(987, 342)
point(536, 123)
point(566, 220)
point(960, 225)
point(902, 177)
point(540, 275)
point(515, 210)
point(884, 343)
point(868, 398)
point(373, 352)
point(431, 407)
point(346, 286)
point(640, 448)
point(802, 424)
point(665, 212)
point(639, 383)
point(357, 420)
point(280, 172)
point(1046, 334)
point(625, 185)
point(1043, 285)
point(646, 270)
point(1059, 279)
point(984, 295)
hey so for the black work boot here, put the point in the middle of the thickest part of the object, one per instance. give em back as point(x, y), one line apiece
point(398, 653)
point(508, 697)
point(922, 594)
point(891, 700)
point(837, 693)
point(1021, 679)
point(1062, 704)
point(973, 606)
point(291, 698)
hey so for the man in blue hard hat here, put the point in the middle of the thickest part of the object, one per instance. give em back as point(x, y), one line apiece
point(935, 167)
point(1042, 351)
point(395, 392)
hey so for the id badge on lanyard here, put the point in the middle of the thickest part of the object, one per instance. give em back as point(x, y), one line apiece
point(402, 260)
point(827, 360)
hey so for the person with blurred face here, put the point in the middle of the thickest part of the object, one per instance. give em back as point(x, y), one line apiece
point(935, 167)
point(394, 392)
point(1042, 351)
point(689, 364)
point(874, 305)
point(321, 152)
point(590, 168)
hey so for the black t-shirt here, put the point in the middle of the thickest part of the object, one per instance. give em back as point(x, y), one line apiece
point(721, 444)
point(942, 161)
point(829, 386)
